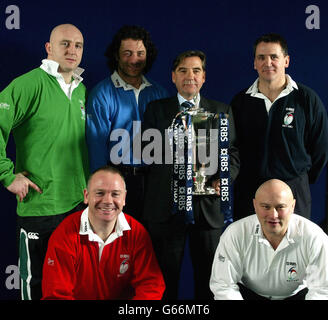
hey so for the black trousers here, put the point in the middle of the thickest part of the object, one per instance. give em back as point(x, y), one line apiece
point(135, 197)
point(169, 240)
point(301, 190)
point(33, 235)
point(248, 294)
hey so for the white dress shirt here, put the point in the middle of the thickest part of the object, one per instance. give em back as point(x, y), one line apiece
point(194, 101)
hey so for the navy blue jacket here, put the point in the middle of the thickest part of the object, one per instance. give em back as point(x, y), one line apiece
point(290, 141)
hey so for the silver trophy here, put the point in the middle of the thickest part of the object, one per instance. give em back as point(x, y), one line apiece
point(205, 144)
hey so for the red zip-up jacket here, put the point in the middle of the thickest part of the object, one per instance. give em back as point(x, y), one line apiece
point(127, 269)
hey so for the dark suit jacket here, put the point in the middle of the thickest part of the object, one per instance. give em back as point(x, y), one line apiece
point(158, 196)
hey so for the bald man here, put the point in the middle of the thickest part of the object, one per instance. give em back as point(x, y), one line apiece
point(274, 254)
point(44, 109)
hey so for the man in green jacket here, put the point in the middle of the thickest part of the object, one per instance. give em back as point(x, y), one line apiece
point(44, 109)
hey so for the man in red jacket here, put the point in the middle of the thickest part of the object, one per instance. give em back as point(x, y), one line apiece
point(102, 253)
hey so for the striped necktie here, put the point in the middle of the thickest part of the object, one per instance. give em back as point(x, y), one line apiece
point(186, 105)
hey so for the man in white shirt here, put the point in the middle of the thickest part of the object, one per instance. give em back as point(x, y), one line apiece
point(274, 254)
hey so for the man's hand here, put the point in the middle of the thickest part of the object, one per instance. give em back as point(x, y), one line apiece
point(216, 186)
point(21, 184)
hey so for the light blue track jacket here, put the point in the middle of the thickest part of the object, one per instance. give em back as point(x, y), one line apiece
point(114, 120)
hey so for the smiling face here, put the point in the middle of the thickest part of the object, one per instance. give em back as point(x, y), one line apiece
point(105, 197)
point(66, 48)
point(189, 77)
point(132, 59)
point(270, 62)
point(274, 205)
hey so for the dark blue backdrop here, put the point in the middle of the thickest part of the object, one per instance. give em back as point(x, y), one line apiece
point(224, 30)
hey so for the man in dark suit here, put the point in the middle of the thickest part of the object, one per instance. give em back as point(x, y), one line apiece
point(169, 231)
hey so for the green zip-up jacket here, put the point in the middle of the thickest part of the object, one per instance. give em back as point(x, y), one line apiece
point(49, 133)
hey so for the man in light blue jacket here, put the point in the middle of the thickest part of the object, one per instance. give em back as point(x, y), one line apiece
point(115, 110)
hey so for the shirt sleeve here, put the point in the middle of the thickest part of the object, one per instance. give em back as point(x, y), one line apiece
point(226, 269)
point(58, 280)
point(147, 280)
point(14, 100)
point(317, 272)
point(98, 128)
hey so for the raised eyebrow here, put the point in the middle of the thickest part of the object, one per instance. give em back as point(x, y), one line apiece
point(117, 191)
point(268, 55)
point(66, 40)
point(129, 52)
point(264, 204)
point(99, 191)
point(70, 41)
point(282, 205)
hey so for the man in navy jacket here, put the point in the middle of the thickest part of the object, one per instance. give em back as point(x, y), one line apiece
point(281, 129)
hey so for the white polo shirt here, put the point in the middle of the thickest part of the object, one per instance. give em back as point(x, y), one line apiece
point(245, 256)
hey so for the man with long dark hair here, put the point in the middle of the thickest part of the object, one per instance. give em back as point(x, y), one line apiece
point(115, 109)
